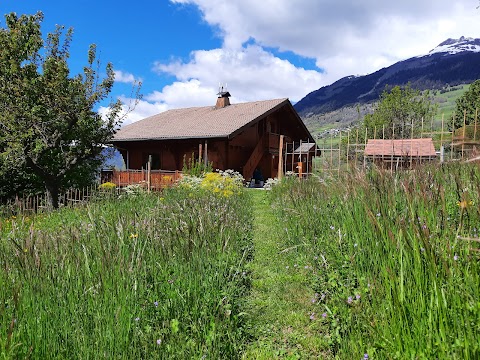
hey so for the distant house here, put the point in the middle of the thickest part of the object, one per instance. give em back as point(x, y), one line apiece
point(401, 152)
point(241, 137)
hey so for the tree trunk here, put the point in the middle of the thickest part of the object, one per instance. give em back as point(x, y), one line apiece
point(52, 194)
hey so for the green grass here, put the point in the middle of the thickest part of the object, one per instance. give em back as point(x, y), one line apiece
point(446, 103)
point(333, 267)
point(280, 304)
point(132, 278)
point(397, 262)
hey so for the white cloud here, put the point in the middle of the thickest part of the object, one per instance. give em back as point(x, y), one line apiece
point(125, 77)
point(344, 38)
point(250, 72)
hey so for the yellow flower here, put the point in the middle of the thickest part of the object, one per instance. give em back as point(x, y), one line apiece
point(464, 204)
point(133, 236)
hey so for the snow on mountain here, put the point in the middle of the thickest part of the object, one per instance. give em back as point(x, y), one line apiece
point(455, 46)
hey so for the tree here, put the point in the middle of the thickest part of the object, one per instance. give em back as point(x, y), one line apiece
point(468, 106)
point(396, 112)
point(49, 126)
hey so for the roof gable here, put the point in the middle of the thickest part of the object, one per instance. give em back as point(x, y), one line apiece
point(198, 122)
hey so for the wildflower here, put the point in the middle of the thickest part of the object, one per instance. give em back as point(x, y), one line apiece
point(349, 300)
point(137, 319)
point(378, 214)
point(355, 245)
point(133, 236)
point(365, 356)
point(324, 315)
point(315, 258)
point(155, 303)
point(332, 227)
point(170, 281)
point(464, 204)
point(159, 341)
point(357, 296)
point(455, 257)
point(287, 267)
point(312, 316)
point(296, 265)
point(422, 249)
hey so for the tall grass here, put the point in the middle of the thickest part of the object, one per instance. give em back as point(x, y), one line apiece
point(395, 259)
point(138, 277)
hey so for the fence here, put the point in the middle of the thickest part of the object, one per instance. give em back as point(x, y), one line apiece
point(343, 149)
point(38, 203)
point(156, 180)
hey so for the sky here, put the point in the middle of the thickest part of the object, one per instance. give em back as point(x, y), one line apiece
point(181, 50)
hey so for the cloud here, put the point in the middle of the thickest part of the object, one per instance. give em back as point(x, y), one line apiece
point(125, 77)
point(250, 72)
point(343, 37)
point(364, 34)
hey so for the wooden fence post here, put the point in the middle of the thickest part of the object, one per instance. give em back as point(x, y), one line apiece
point(280, 158)
point(149, 172)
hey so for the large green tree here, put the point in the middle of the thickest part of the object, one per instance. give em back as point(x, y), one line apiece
point(49, 127)
point(398, 109)
point(468, 106)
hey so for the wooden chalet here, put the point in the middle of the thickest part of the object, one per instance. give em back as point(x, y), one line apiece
point(241, 137)
point(400, 153)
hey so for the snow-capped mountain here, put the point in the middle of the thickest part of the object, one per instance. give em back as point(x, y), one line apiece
point(453, 62)
point(455, 46)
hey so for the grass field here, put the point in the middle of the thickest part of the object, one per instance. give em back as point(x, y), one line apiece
point(366, 265)
point(446, 102)
point(395, 260)
point(141, 277)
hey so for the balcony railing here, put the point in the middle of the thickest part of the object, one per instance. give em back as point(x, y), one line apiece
point(159, 179)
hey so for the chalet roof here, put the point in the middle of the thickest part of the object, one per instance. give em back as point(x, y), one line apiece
point(401, 147)
point(199, 122)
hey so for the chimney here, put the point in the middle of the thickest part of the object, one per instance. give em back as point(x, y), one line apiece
point(223, 98)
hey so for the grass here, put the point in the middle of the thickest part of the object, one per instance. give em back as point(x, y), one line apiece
point(362, 264)
point(446, 103)
point(280, 305)
point(397, 262)
point(137, 277)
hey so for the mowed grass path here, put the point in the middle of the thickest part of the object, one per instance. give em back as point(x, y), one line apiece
point(280, 305)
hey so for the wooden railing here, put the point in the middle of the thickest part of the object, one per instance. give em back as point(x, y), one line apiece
point(158, 178)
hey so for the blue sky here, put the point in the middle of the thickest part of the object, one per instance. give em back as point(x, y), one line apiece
point(182, 49)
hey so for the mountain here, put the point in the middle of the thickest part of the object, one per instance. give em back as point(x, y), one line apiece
point(453, 62)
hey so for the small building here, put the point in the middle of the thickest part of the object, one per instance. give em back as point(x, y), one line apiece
point(242, 137)
point(402, 153)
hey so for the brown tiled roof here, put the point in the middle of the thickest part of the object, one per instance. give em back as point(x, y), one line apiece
point(198, 122)
point(403, 147)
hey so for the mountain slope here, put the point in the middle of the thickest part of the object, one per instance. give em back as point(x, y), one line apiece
point(453, 62)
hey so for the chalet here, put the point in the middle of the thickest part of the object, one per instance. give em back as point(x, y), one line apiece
point(241, 137)
point(400, 152)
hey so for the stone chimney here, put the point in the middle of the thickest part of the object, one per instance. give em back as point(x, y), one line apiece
point(223, 98)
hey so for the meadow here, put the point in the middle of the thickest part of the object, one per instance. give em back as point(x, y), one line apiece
point(137, 277)
point(393, 260)
point(363, 265)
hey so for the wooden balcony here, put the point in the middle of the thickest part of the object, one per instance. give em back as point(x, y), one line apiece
point(159, 179)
